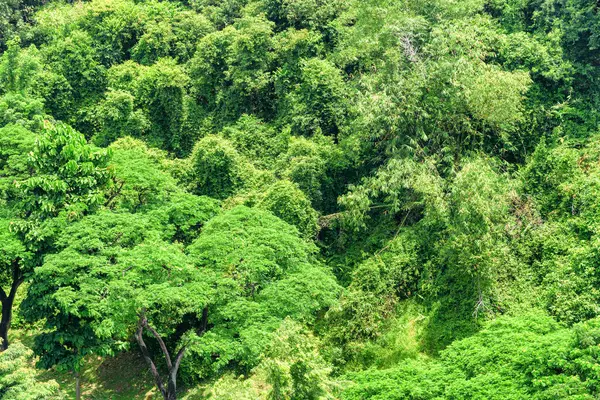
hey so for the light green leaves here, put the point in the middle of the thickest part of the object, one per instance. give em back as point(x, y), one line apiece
point(18, 380)
point(264, 272)
point(68, 175)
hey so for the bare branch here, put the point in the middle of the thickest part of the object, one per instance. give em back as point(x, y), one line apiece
point(178, 359)
point(18, 277)
point(163, 347)
point(146, 355)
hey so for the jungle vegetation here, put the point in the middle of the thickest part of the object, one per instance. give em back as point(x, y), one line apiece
point(300, 199)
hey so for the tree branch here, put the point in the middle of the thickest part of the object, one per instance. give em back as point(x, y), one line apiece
point(17, 277)
point(163, 347)
point(178, 359)
point(146, 354)
point(204, 319)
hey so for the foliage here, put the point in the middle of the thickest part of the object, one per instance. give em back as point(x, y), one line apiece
point(229, 71)
point(21, 110)
point(291, 369)
point(108, 268)
point(216, 170)
point(139, 179)
point(159, 91)
point(265, 273)
point(293, 192)
point(290, 204)
point(378, 285)
point(513, 357)
point(186, 215)
point(117, 118)
point(15, 144)
point(317, 103)
point(307, 163)
point(18, 68)
point(18, 377)
point(303, 14)
point(256, 140)
point(68, 175)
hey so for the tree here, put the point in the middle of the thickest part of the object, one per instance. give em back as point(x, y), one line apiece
point(68, 177)
point(216, 168)
point(264, 273)
point(114, 276)
point(257, 140)
point(230, 70)
point(312, 14)
point(448, 239)
point(19, 71)
point(76, 67)
point(562, 241)
point(317, 104)
point(286, 201)
point(19, 68)
point(432, 93)
point(117, 118)
point(15, 143)
point(310, 163)
point(65, 180)
point(159, 101)
point(140, 181)
point(14, 15)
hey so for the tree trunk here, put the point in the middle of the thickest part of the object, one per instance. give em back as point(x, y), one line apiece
point(77, 386)
point(7, 302)
point(172, 386)
point(170, 392)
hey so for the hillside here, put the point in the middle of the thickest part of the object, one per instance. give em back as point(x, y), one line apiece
point(299, 199)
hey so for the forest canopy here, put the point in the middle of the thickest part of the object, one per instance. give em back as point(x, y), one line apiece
point(299, 199)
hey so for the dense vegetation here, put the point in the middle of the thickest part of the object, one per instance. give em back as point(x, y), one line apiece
point(300, 199)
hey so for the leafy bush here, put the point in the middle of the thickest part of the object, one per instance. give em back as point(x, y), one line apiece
point(529, 356)
point(18, 377)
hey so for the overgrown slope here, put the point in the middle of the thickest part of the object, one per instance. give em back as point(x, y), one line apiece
point(301, 199)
